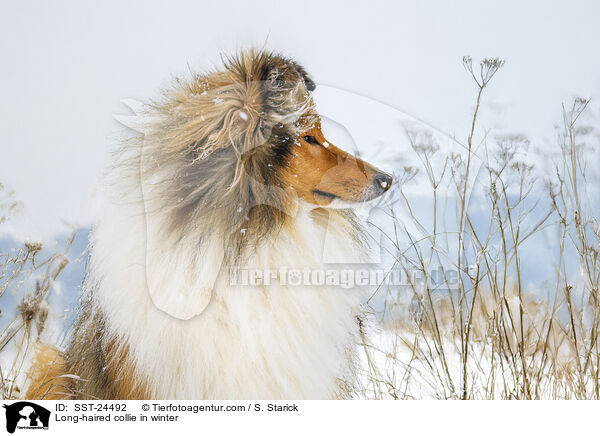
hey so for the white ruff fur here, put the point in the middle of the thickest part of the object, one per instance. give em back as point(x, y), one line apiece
point(269, 342)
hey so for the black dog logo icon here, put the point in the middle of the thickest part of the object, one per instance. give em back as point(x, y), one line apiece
point(28, 415)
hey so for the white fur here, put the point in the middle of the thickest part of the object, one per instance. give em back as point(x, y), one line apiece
point(269, 342)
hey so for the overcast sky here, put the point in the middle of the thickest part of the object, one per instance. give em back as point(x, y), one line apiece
point(67, 65)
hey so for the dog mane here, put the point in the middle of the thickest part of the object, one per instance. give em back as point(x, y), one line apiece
point(213, 148)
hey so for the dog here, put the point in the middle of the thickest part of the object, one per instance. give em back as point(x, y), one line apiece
point(232, 173)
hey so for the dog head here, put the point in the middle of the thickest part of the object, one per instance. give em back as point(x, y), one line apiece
point(252, 131)
point(324, 175)
point(237, 150)
point(318, 172)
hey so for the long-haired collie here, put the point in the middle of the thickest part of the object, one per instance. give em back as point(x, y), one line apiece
point(232, 173)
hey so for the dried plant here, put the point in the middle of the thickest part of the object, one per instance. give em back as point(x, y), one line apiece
point(487, 336)
point(27, 275)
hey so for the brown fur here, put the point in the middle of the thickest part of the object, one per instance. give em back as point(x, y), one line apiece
point(120, 369)
point(47, 374)
point(105, 372)
point(322, 167)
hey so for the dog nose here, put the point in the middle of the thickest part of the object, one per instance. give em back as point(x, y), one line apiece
point(382, 182)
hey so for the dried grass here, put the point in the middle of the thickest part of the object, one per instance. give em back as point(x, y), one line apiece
point(489, 338)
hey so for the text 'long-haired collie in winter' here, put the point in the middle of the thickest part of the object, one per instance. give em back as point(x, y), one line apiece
point(231, 172)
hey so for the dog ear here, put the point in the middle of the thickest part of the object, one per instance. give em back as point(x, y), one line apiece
point(277, 75)
point(308, 82)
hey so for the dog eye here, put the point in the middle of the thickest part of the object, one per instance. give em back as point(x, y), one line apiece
point(311, 140)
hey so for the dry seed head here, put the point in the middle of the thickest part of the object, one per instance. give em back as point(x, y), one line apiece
point(34, 247)
point(28, 308)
